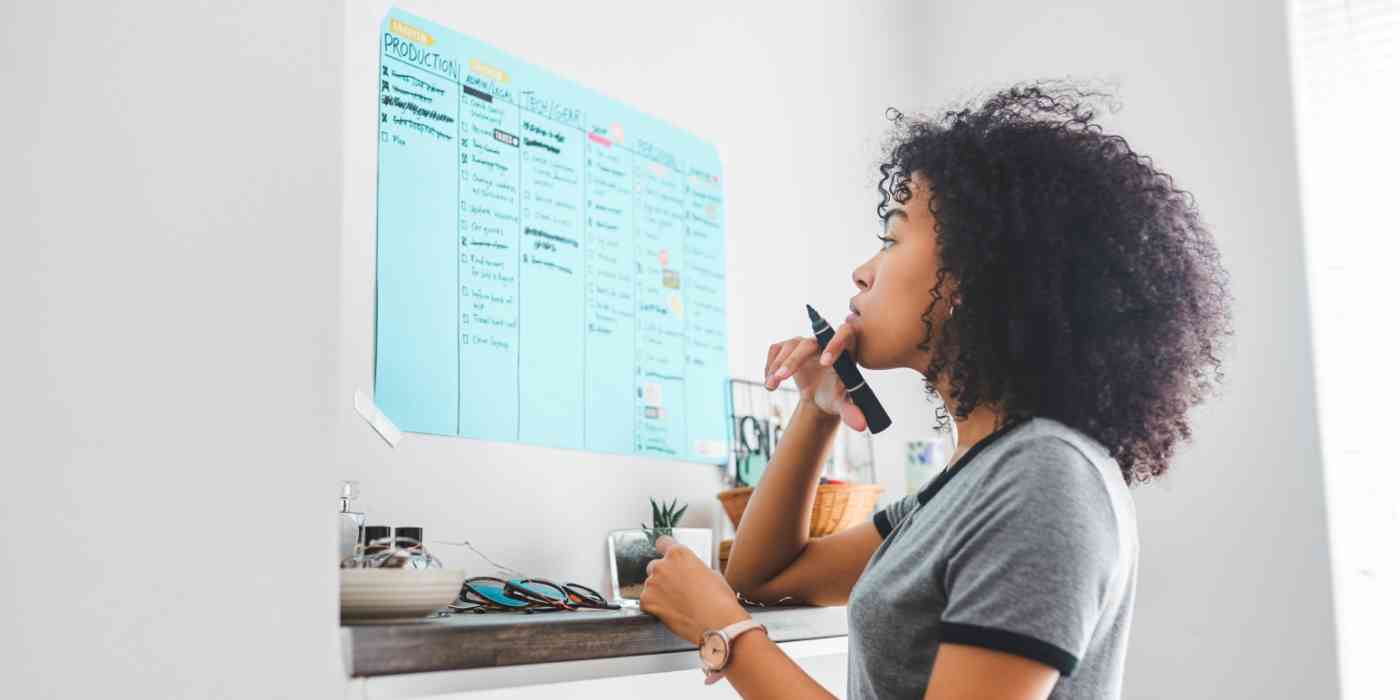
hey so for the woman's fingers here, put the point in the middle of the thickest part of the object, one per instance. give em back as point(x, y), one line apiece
point(843, 337)
point(782, 363)
point(784, 349)
point(773, 351)
point(776, 354)
point(850, 413)
point(787, 362)
point(800, 354)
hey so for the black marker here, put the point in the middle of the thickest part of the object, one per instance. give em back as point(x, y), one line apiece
point(875, 417)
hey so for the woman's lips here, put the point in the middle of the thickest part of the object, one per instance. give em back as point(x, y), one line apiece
point(852, 317)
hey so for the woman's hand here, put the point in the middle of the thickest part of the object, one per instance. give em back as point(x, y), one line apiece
point(816, 380)
point(687, 595)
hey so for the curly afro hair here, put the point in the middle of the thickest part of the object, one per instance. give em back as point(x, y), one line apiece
point(1087, 288)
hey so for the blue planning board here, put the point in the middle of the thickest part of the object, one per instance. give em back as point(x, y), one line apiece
point(550, 263)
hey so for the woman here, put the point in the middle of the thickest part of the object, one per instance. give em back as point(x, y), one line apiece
point(1065, 298)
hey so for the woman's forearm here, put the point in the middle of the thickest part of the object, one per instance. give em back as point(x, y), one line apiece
point(760, 670)
point(773, 530)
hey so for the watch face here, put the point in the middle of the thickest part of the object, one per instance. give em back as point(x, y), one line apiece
point(712, 652)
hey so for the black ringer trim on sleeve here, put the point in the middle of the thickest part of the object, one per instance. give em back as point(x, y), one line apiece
point(882, 523)
point(1011, 643)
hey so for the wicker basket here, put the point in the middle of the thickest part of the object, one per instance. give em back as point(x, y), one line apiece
point(837, 507)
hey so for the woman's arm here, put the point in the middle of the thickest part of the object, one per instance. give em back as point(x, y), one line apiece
point(690, 597)
point(773, 531)
point(772, 556)
point(964, 671)
point(760, 670)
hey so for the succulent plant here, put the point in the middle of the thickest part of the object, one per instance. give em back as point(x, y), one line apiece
point(663, 518)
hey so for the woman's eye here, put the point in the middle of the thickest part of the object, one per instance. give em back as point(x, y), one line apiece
point(884, 242)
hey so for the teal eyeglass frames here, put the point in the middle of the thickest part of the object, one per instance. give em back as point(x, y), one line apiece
point(487, 593)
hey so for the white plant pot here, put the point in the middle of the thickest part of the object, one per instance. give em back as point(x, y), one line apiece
point(700, 540)
point(629, 550)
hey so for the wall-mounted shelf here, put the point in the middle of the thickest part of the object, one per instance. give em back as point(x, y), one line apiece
point(469, 640)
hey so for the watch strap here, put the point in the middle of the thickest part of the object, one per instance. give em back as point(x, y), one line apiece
point(731, 632)
point(737, 628)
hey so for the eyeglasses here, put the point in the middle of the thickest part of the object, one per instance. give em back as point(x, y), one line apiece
point(488, 592)
point(482, 594)
point(569, 596)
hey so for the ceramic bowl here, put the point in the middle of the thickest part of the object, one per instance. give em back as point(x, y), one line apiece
point(367, 594)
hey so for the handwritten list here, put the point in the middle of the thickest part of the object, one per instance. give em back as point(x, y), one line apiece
point(550, 262)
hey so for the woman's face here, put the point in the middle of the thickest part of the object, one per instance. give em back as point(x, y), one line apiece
point(894, 288)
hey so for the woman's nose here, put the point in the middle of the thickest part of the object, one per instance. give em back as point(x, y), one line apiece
point(861, 276)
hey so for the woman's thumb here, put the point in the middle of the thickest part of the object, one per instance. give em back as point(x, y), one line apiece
point(852, 415)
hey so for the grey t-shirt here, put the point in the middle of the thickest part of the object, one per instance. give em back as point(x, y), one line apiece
point(1027, 545)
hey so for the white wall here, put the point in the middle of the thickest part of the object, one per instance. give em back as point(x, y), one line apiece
point(171, 245)
point(794, 102)
point(1347, 147)
point(187, 318)
point(1234, 594)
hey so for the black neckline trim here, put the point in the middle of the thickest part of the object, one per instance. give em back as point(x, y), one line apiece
point(942, 479)
point(882, 522)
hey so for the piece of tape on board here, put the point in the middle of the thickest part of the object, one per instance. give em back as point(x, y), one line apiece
point(365, 406)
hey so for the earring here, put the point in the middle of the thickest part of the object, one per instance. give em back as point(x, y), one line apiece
point(951, 309)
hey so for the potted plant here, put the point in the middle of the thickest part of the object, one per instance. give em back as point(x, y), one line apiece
point(631, 549)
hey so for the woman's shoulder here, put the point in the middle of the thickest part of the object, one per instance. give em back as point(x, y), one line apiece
point(1053, 445)
point(1044, 429)
point(1046, 459)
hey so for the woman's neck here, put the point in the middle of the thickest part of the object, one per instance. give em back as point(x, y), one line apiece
point(978, 425)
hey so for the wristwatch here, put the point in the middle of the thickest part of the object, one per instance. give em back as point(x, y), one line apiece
point(716, 647)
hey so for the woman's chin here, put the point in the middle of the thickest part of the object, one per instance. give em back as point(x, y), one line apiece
point(868, 359)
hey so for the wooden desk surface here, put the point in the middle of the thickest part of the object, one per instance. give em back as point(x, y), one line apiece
point(472, 640)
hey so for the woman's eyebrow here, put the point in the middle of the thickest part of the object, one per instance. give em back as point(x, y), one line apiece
point(893, 213)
